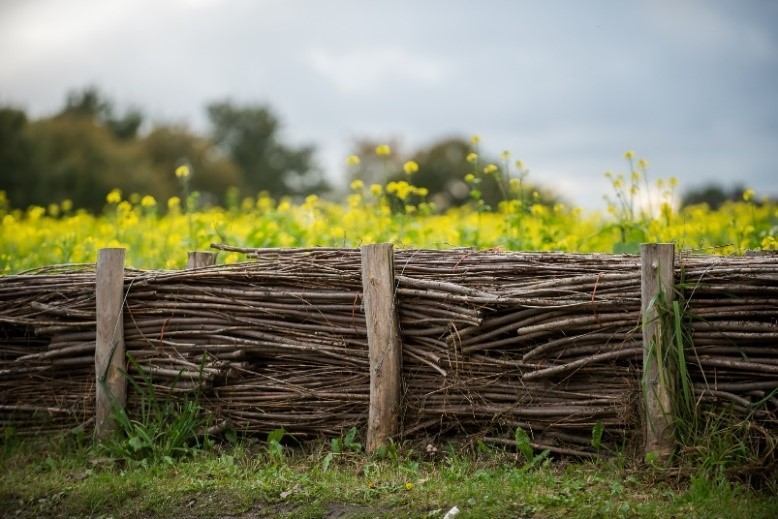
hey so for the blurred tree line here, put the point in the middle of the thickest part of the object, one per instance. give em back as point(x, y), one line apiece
point(88, 148)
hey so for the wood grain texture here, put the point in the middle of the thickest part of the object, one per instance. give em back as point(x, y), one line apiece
point(110, 362)
point(658, 373)
point(383, 343)
point(198, 259)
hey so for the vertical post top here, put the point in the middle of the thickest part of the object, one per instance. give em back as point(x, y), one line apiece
point(653, 245)
point(198, 259)
point(377, 246)
point(111, 251)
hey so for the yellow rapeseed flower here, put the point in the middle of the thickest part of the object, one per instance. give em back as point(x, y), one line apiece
point(475, 139)
point(399, 189)
point(411, 167)
point(519, 165)
point(471, 157)
point(173, 202)
point(629, 154)
point(148, 201)
point(376, 190)
point(643, 164)
point(505, 155)
point(490, 168)
point(469, 178)
point(114, 197)
point(67, 204)
point(183, 171)
point(383, 150)
point(357, 184)
point(748, 195)
point(352, 160)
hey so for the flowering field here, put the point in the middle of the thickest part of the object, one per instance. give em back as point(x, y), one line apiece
point(157, 234)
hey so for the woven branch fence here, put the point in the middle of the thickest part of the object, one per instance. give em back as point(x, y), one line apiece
point(489, 341)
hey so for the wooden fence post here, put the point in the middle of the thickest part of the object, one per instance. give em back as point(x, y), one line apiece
point(656, 282)
point(197, 259)
point(383, 338)
point(110, 362)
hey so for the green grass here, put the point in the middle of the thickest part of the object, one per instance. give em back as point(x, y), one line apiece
point(64, 478)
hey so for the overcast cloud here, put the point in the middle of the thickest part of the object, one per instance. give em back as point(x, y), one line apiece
point(566, 86)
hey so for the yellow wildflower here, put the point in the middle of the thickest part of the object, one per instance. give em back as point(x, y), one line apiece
point(471, 157)
point(399, 189)
point(643, 164)
point(383, 150)
point(505, 155)
point(408, 485)
point(475, 139)
point(183, 171)
point(53, 210)
point(519, 165)
point(173, 203)
point(748, 195)
point(515, 184)
point(357, 184)
point(114, 197)
point(376, 190)
point(148, 201)
point(490, 168)
point(629, 154)
point(422, 191)
point(352, 160)
point(411, 167)
point(67, 205)
point(469, 178)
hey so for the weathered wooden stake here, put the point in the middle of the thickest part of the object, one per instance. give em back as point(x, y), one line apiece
point(656, 283)
point(110, 362)
point(197, 259)
point(383, 338)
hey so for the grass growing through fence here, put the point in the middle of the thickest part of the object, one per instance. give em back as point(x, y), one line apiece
point(69, 477)
point(717, 442)
point(160, 430)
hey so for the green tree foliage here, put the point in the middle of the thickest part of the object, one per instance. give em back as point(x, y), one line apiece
point(92, 104)
point(15, 154)
point(250, 137)
point(85, 150)
point(712, 194)
point(167, 147)
point(75, 157)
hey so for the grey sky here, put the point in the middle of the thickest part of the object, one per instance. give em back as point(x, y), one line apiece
point(566, 86)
